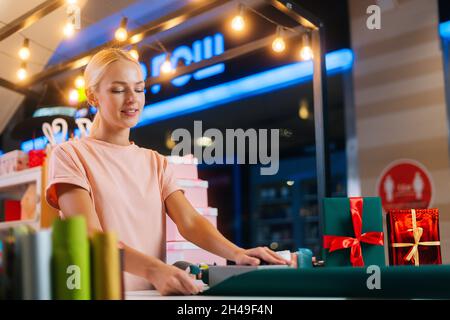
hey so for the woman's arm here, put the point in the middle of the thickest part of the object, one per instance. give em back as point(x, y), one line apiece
point(198, 230)
point(74, 200)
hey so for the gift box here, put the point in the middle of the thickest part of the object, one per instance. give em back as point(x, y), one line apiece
point(36, 158)
point(413, 237)
point(196, 191)
point(184, 167)
point(353, 232)
point(186, 251)
point(16, 160)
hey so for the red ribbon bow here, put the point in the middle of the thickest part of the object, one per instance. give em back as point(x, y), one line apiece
point(334, 243)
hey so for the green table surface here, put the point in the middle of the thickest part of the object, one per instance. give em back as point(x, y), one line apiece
point(402, 282)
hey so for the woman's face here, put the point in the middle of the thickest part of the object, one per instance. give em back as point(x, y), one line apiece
point(120, 94)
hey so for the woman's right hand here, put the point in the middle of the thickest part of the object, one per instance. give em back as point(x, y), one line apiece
point(170, 280)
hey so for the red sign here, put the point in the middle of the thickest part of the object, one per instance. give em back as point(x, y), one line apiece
point(405, 184)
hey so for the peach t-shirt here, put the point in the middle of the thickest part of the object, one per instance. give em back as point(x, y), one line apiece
point(128, 186)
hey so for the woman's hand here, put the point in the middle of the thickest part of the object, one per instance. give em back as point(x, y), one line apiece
point(255, 255)
point(170, 280)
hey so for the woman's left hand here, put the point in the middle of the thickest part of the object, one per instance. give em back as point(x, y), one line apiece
point(255, 255)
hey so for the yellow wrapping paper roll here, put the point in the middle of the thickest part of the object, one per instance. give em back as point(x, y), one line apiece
point(106, 267)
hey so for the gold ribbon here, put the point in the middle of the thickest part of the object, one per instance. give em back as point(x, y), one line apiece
point(417, 233)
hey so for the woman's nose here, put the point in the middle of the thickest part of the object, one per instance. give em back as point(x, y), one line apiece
point(130, 97)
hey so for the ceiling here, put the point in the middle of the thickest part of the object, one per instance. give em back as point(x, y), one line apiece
point(99, 18)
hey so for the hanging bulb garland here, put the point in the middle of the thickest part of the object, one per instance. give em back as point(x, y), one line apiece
point(306, 53)
point(134, 53)
point(24, 52)
point(278, 45)
point(121, 33)
point(166, 67)
point(238, 22)
point(22, 73)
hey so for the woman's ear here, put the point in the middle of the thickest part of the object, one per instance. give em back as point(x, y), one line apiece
point(92, 100)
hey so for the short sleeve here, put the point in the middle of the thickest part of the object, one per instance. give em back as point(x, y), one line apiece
point(64, 167)
point(168, 181)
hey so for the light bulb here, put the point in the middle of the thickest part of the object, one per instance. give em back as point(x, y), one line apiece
point(166, 67)
point(22, 73)
point(73, 96)
point(238, 23)
point(79, 82)
point(303, 111)
point(204, 141)
point(306, 53)
point(121, 34)
point(71, 2)
point(24, 52)
point(278, 45)
point(134, 53)
point(69, 29)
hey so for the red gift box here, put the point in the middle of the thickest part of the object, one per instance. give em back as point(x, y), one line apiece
point(36, 158)
point(12, 210)
point(414, 237)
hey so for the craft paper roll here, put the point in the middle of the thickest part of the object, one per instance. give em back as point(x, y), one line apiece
point(19, 233)
point(8, 266)
point(106, 267)
point(36, 257)
point(71, 275)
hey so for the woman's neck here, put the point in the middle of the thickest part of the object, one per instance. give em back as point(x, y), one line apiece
point(112, 135)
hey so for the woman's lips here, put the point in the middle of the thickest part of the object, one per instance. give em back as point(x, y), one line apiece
point(130, 112)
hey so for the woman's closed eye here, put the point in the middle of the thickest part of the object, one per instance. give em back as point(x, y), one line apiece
point(123, 90)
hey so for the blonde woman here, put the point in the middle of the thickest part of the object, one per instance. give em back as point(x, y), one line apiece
point(119, 186)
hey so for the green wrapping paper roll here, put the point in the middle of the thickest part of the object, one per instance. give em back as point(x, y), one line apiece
point(71, 275)
point(106, 273)
point(400, 282)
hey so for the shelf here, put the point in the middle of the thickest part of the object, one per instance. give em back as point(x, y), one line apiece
point(275, 221)
point(275, 201)
point(20, 177)
point(311, 218)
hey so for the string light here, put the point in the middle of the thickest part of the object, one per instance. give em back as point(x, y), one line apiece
point(278, 45)
point(22, 73)
point(24, 52)
point(303, 111)
point(134, 53)
point(121, 33)
point(79, 82)
point(238, 22)
point(306, 53)
point(69, 29)
point(71, 2)
point(167, 67)
point(74, 96)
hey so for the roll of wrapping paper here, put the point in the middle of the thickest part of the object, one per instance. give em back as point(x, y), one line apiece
point(36, 257)
point(19, 233)
point(106, 274)
point(8, 257)
point(71, 275)
point(399, 282)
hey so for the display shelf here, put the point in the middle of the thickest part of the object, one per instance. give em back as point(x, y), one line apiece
point(14, 185)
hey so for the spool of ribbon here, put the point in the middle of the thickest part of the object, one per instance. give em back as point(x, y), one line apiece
point(334, 243)
point(417, 234)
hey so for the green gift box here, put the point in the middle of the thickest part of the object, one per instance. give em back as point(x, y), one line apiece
point(353, 232)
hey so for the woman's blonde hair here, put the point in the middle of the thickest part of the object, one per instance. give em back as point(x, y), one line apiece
point(96, 68)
